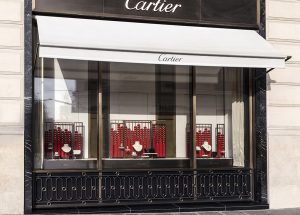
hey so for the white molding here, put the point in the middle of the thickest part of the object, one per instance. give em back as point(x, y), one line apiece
point(288, 84)
point(283, 105)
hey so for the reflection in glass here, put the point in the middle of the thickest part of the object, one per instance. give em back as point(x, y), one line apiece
point(66, 109)
point(220, 122)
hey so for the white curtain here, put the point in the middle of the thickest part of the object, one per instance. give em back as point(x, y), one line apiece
point(234, 88)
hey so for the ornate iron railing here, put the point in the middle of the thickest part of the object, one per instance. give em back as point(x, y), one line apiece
point(141, 187)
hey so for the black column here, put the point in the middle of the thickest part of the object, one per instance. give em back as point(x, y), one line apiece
point(28, 91)
point(261, 190)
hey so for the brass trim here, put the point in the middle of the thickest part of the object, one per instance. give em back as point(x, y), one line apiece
point(42, 115)
point(193, 120)
point(100, 118)
point(251, 118)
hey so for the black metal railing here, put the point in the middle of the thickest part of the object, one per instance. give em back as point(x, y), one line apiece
point(141, 187)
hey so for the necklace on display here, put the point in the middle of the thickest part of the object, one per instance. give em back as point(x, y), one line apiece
point(137, 146)
point(206, 146)
point(66, 148)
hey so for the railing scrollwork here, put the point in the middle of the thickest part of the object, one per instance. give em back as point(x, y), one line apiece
point(146, 187)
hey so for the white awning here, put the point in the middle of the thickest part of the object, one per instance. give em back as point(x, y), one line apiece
point(99, 40)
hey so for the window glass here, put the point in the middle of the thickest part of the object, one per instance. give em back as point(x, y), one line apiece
point(220, 114)
point(65, 110)
point(145, 114)
point(149, 110)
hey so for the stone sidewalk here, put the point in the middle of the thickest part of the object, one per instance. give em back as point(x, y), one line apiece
point(291, 211)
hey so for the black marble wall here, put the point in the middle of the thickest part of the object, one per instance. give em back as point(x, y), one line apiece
point(28, 89)
point(261, 190)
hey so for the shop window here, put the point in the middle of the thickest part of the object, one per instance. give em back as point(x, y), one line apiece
point(111, 115)
point(65, 110)
point(220, 115)
point(148, 113)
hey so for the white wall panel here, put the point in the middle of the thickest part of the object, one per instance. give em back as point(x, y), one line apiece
point(289, 75)
point(11, 174)
point(11, 112)
point(283, 30)
point(11, 61)
point(284, 170)
point(11, 35)
point(11, 10)
point(289, 49)
point(284, 94)
point(283, 9)
point(11, 86)
point(281, 116)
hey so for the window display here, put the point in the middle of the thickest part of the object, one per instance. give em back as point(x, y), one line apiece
point(132, 139)
point(149, 108)
point(66, 111)
point(142, 111)
point(220, 141)
point(220, 114)
point(203, 140)
point(63, 140)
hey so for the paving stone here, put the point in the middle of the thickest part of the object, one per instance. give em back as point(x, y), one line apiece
point(188, 213)
point(290, 211)
point(233, 213)
point(209, 213)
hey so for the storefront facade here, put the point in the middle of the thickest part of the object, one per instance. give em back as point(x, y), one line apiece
point(116, 131)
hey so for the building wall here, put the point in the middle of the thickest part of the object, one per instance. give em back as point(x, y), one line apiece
point(11, 107)
point(283, 103)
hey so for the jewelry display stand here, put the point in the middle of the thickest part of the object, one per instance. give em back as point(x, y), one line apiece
point(63, 140)
point(203, 141)
point(220, 139)
point(133, 139)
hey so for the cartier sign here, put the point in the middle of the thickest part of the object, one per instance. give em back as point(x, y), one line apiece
point(169, 58)
point(229, 13)
point(154, 9)
point(156, 6)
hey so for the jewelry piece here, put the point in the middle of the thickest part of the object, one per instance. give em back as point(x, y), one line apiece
point(134, 154)
point(137, 146)
point(66, 148)
point(127, 149)
point(76, 152)
point(206, 146)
